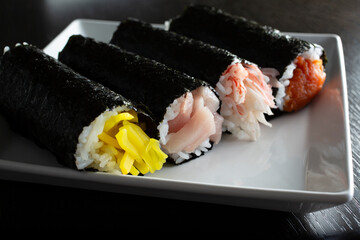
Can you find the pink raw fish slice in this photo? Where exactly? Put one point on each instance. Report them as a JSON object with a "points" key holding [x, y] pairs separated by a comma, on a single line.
{"points": [[215, 138], [210, 99], [184, 114], [196, 131]]}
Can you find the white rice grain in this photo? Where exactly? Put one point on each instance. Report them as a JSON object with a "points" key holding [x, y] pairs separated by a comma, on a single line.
{"points": [[88, 142]]}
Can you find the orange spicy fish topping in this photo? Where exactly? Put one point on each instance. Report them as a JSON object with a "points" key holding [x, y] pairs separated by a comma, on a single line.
{"points": [[308, 79]]}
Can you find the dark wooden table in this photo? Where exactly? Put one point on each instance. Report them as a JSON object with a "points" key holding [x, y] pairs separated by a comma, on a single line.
{"points": [[37, 206]]}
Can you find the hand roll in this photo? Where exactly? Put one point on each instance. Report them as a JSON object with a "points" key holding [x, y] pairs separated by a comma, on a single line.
{"points": [[84, 124], [184, 108]]}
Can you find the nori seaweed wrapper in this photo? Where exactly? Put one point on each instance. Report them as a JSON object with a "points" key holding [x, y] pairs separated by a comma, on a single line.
{"points": [[193, 57], [263, 45], [48, 102], [148, 83]]}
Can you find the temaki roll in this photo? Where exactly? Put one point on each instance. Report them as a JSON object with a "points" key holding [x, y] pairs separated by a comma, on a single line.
{"points": [[244, 91], [84, 124], [184, 108], [299, 64]]}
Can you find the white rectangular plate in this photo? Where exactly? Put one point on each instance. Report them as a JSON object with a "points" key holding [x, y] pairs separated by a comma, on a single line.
{"points": [[303, 163]]}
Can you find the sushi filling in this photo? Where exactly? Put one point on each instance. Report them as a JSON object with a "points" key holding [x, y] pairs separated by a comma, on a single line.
{"points": [[300, 82], [246, 96], [116, 142], [190, 124]]}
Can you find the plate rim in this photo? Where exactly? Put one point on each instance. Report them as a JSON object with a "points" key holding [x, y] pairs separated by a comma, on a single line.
{"points": [[306, 196]]}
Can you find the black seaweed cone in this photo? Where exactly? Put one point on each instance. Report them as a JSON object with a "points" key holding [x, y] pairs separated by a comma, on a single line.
{"points": [[48, 102], [148, 83], [144, 81], [263, 45], [193, 57]]}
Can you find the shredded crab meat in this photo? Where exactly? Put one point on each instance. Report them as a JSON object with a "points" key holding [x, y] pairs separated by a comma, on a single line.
{"points": [[246, 96]]}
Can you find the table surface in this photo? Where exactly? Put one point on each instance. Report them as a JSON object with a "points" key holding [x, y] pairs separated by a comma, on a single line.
{"points": [[37, 206]]}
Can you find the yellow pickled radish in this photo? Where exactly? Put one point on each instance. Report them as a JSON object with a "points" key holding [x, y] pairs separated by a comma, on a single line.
{"points": [[131, 148], [149, 162], [155, 146], [135, 115], [126, 163], [138, 143], [114, 120], [109, 149], [155, 157], [142, 167], [119, 156], [139, 131], [136, 136], [141, 141], [134, 171], [157, 162], [123, 141], [109, 140]]}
